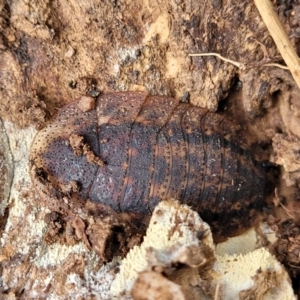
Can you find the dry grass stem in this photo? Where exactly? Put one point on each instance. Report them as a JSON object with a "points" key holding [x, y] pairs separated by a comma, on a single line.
{"points": [[276, 65], [280, 37], [235, 63], [238, 64], [217, 292]]}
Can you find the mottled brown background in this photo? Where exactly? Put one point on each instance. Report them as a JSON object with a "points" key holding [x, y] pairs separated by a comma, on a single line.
{"points": [[52, 52]]}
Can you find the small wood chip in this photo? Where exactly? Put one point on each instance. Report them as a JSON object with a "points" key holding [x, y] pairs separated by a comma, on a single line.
{"points": [[86, 103]]}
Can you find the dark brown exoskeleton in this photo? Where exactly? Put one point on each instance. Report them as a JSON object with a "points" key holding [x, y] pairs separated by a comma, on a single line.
{"points": [[153, 148]]}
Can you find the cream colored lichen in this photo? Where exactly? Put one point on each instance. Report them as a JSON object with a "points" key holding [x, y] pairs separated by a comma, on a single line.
{"points": [[19, 141], [252, 239], [257, 273], [6, 163], [51, 255], [173, 231], [172, 228], [31, 227]]}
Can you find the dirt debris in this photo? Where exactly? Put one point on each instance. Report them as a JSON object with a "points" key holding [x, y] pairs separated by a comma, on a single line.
{"points": [[46, 56], [156, 286], [81, 148]]}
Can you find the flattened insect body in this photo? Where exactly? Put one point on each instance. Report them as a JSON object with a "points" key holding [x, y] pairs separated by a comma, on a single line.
{"points": [[153, 148]]}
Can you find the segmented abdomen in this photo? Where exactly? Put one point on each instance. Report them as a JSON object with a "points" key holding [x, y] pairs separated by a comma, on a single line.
{"points": [[155, 148]]}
